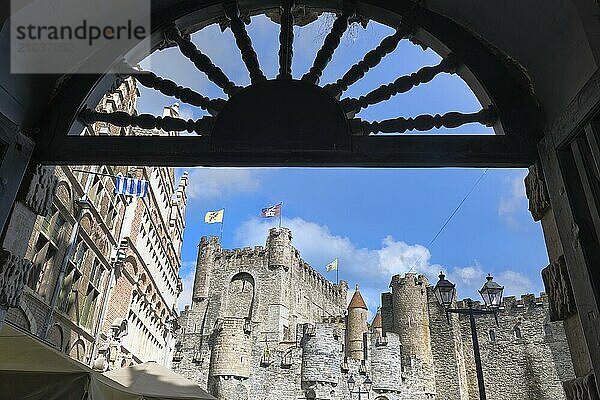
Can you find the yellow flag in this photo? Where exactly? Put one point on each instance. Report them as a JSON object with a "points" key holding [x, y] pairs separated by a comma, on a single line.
{"points": [[332, 266], [214, 217]]}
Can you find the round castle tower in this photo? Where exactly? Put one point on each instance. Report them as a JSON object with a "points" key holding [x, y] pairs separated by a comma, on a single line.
{"points": [[207, 249], [279, 248], [356, 326], [411, 320], [320, 357]]}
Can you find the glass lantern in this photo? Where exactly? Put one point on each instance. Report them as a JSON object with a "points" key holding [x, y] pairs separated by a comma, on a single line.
{"points": [[444, 291], [491, 292]]}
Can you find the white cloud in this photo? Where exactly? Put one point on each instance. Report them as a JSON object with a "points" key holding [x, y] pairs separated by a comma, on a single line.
{"points": [[373, 268], [210, 183], [187, 277], [514, 202]]}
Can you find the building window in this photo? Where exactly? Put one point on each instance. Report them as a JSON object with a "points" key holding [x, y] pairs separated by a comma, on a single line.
{"points": [[39, 260], [52, 225], [492, 335], [517, 331], [92, 293], [68, 293]]}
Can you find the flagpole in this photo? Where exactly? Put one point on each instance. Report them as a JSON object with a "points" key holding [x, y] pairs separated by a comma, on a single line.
{"points": [[222, 221], [280, 212]]}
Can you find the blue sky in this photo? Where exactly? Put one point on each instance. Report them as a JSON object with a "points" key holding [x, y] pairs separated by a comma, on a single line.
{"points": [[378, 222]]}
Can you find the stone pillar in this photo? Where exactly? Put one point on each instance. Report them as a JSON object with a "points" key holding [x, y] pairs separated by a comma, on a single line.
{"points": [[557, 276]]}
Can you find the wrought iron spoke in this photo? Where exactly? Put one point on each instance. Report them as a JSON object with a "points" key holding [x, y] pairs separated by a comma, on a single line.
{"points": [[243, 42], [170, 88], [202, 61], [400, 85], [486, 116], [370, 60], [332, 41], [201, 126], [286, 40]]}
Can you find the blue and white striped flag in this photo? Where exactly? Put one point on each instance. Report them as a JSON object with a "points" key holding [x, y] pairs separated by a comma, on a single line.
{"points": [[131, 186]]}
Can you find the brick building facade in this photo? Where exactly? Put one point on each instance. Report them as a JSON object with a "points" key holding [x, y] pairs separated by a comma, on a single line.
{"points": [[116, 301]]}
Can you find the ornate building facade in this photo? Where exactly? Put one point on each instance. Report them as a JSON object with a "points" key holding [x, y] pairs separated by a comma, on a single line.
{"points": [[104, 283], [263, 324]]}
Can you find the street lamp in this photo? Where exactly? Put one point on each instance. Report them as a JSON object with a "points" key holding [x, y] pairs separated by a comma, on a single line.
{"points": [[366, 385], [491, 292]]}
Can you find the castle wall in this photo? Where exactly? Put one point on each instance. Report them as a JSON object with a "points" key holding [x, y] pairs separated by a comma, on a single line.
{"points": [[448, 352], [533, 364], [271, 330]]}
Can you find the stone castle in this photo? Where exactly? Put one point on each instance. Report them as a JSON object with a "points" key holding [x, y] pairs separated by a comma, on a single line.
{"points": [[263, 324]]}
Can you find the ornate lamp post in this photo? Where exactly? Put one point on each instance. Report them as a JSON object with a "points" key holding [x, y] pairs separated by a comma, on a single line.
{"points": [[491, 292], [367, 385]]}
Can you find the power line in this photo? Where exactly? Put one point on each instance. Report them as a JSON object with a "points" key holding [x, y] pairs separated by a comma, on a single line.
{"points": [[451, 216]]}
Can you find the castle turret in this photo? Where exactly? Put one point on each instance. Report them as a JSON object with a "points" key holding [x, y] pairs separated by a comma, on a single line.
{"points": [[411, 320], [230, 358], [320, 362], [357, 327], [377, 325], [279, 248], [207, 249]]}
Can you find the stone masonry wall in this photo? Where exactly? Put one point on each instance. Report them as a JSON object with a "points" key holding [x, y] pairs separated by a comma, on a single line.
{"points": [[448, 352], [293, 330], [525, 350]]}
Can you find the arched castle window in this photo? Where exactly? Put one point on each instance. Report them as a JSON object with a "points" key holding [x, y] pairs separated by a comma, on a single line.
{"points": [[240, 298], [517, 331], [492, 335]]}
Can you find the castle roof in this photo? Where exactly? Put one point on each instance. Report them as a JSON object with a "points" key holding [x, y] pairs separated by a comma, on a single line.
{"points": [[377, 320], [357, 300]]}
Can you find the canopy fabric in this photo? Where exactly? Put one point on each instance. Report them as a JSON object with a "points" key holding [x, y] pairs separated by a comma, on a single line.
{"points": [[156, 382], [33, 370]]}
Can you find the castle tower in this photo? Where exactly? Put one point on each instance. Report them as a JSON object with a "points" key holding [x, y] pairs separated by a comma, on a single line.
{"points": [[279, 248], [230, 358], [377, 325], [207, 249], [320, 360], [411, 319], [356, 327]]}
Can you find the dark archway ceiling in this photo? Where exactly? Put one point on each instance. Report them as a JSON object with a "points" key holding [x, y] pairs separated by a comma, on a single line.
{"points": [[275, 110]]}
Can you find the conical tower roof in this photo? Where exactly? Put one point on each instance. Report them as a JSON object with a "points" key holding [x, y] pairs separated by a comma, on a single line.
{"points": [[357, 300], [377, 320]]}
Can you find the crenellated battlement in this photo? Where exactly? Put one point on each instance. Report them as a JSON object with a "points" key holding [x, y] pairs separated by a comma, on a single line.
{"points": [[409, 278], [512, 303]]}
